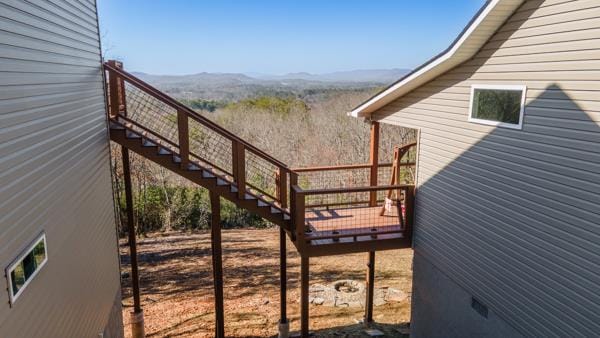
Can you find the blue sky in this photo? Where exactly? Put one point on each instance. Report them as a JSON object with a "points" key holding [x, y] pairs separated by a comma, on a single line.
{"points": [[278, 36]]}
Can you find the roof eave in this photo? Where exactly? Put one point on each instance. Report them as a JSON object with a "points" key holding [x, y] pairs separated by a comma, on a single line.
{"points": [[445, 61]]}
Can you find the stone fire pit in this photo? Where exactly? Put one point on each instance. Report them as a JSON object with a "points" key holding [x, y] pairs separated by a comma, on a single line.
{"points": [[351, 293]]}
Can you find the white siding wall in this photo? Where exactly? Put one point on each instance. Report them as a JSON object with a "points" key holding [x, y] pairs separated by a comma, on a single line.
{"points": [[54, 168], [513, 216]]}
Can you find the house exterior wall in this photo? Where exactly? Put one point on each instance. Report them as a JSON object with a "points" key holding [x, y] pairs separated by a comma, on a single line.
{"points": [[55, 171], [512, 217]]}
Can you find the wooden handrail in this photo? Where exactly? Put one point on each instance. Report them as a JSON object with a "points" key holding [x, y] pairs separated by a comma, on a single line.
{"points": [[347, 167], [150, 90], [308, 192]]}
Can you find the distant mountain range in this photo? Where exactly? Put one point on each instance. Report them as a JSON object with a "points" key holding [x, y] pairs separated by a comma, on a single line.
{"points": [[233, 86], [382, 76]]}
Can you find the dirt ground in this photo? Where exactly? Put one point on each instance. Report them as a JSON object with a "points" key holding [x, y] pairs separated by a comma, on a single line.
{"points": [[177, 290]]}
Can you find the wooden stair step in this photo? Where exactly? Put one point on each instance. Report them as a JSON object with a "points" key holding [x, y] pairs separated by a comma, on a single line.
{"points": [[193, 167], [222, 182], [116, 126], [148, 143], [163, 151], [275, 210], [207, 174], [131, 134], [249, 197]]}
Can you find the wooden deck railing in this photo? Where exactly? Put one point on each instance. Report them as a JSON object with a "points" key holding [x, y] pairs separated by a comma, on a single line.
{"points": [[347, 212]]}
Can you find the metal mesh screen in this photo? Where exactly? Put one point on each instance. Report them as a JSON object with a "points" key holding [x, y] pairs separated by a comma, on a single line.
{"points": [[151, 113], [210, 147], [339, 178], [261, 175]]}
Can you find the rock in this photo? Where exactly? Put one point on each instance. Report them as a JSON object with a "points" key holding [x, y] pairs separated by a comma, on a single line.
{"points": [[403, 332], [395, 295], [318, 301], [374, 333], [124, 274], [378, 301]]}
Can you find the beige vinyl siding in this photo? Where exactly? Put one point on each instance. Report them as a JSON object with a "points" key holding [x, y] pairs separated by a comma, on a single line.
{"points": [[55, 171], [513, 215]]}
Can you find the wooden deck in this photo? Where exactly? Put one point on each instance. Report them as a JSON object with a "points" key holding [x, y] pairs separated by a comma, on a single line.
{"points": [[349, 222]]}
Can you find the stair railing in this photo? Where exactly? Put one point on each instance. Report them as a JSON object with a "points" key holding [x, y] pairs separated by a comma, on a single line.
{"points": [[198, 138]]}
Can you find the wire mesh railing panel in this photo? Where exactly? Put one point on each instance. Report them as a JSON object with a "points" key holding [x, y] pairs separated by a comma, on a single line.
{"points": [[339, 178], [350, 214], [151, 113], [210, 148], [391, 136], [261, 176]]}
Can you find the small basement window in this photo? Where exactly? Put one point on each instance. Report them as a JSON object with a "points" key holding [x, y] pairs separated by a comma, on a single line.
{"points": [[26, 266], [498, 105]]}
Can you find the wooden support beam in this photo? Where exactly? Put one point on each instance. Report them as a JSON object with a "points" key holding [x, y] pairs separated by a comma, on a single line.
{"points": [[283, 321], [370, 287], [137, 322], [304, 279], [374, 161], [215, 237]]}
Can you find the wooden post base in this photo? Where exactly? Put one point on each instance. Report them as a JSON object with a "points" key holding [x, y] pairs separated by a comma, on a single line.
{"points": [[137, 325]]}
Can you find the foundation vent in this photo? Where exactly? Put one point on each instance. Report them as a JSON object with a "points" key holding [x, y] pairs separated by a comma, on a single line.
{"points": [[479, 307]]}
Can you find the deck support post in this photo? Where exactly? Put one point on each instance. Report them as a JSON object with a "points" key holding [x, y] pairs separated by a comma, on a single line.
{"points": [[215, 237], [374, 161], [370, 288], [137, 316], [284, 325], [304, 276]]}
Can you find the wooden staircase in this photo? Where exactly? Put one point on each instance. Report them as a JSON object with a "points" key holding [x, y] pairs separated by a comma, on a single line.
{"points": [[150, 142], [149, 148]]}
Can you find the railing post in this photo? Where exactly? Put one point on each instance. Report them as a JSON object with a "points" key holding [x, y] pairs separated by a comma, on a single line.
{"points": [[184, 138], [238, 152], [298, 215], [374, 161], [409, 205], [113, 96], [282, 187], [116, 87]]}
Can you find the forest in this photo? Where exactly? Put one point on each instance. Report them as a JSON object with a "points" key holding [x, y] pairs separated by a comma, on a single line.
{"points": [[307, 129]]}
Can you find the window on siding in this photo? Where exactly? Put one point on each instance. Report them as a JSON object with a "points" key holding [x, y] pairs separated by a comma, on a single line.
{"points": [[26, 266], [497, 105]]}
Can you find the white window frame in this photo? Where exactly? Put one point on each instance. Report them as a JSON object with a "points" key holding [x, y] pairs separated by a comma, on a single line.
{"points": [[523, 90], [13, 265]]}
